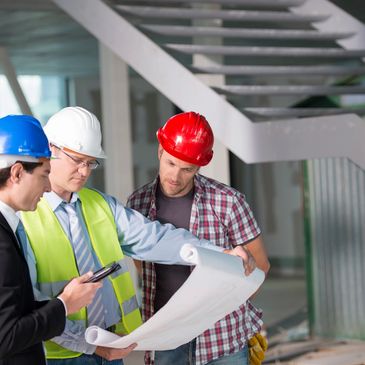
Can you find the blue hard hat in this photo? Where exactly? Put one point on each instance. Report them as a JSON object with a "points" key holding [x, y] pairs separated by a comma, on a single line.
{"points": [[23, 135]]}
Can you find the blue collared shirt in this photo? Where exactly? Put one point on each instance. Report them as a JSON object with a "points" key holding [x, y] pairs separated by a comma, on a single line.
{"points": [[139, 238]]}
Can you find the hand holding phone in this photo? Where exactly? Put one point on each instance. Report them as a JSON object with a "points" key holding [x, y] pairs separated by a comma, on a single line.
{"points": [[103, 272]]}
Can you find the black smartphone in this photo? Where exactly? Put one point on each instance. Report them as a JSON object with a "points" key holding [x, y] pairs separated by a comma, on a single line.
{"points": [[103, 272]]}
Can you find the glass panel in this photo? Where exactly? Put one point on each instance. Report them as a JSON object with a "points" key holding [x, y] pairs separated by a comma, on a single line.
{"points": [[45, 95]]}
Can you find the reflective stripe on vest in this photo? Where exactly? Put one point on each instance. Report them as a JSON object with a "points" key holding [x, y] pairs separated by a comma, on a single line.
{"points": [[56, 263]]}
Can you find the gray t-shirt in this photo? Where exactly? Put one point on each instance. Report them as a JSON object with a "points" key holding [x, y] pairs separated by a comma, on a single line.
{"points": [[176, 211]]}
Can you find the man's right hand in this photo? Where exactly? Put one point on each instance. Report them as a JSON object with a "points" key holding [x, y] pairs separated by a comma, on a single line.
{"points": [[246, 256], [114, 354], [78, 294]]}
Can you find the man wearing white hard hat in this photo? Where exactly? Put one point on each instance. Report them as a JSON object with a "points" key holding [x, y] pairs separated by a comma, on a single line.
{"points": [[25, 322], [90, 229]]}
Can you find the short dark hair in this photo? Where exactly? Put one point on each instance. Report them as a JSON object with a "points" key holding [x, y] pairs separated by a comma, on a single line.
{"points": [[28, 167]]}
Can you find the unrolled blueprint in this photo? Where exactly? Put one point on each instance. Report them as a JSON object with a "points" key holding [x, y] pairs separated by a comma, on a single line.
{"points": [[217, 286]]}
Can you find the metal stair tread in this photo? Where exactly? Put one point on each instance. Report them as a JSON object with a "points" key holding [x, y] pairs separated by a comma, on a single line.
{"points": [[290, 89], [194, 13], [265, 51], [280, 70], [249, 33], [256, 3], [300, 112]]}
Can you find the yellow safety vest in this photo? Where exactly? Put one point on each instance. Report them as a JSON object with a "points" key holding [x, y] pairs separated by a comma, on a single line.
{"points": [[56, 263]]}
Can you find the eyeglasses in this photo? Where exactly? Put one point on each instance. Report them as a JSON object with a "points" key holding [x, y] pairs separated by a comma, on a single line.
{"points": [[92, 165]]}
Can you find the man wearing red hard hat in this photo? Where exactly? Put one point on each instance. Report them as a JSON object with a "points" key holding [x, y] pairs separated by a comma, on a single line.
{"points": [[210, 210], [89, 230]]}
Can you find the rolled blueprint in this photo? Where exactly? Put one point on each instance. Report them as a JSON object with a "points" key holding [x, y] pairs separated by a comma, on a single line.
{"points": [[216, 287]]}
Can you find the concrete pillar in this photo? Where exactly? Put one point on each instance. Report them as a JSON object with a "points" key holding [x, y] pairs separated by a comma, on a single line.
{"points": [[117, 134], [85, 92], [218, 168], [116, 124]]}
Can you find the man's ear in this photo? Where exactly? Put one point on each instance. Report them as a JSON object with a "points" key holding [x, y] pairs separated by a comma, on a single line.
{"points": [[16, 171], [160, 150]]}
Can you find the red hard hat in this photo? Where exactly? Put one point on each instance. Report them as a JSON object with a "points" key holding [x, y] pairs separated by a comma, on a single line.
{"points": [[188, 137]]}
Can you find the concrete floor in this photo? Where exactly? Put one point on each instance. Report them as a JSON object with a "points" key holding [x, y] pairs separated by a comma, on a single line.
{"points": [[278, 297]]}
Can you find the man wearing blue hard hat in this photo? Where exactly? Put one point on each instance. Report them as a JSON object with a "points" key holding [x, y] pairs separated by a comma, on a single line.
{"points": [[24, 322]]}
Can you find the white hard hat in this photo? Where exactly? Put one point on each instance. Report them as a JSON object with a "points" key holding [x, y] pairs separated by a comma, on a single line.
{"points": [[77, 129]]}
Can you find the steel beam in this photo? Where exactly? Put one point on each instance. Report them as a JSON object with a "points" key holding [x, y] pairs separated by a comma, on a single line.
{"points": [[10, 74]]}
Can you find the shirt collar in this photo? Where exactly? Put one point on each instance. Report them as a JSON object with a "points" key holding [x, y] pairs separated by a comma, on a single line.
{"points": [[154, 186], [198, 184], [55, 200], [10, 215]]}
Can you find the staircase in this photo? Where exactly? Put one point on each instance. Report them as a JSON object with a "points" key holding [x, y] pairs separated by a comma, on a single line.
{"points": [[269, 57]]}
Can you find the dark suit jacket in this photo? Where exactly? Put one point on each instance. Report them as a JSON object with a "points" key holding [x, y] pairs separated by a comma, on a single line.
{"points": [[24, 322]]}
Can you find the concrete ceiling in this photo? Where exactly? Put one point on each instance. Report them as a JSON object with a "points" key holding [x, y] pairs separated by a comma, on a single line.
{"points": [[41, 39]]}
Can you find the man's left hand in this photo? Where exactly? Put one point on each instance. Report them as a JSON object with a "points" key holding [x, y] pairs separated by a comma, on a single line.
{"points": [[111, 354], [248, 259]]}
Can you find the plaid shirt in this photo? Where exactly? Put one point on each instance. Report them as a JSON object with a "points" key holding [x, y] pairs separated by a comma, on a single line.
{"points": [[221, 215]]}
